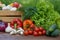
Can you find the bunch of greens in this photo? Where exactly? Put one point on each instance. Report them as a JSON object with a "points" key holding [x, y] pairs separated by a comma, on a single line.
{"points": [[56, 4], [45, 15], [28, 12]]}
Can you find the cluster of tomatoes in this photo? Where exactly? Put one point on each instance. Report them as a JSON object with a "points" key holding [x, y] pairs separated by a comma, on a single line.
{"points": [[35, 31]]}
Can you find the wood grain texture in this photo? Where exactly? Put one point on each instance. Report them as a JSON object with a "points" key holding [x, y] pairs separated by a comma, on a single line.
{"points": [[8, 16], [8, 19], [7, 36], [7, 12]]}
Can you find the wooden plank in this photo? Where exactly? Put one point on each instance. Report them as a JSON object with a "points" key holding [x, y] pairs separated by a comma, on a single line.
{"points": [[10, 15], [8, 19], [7, 36], [7, 12]]}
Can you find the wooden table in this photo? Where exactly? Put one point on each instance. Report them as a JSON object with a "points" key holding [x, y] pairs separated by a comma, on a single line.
{"points": [[7, 36]]}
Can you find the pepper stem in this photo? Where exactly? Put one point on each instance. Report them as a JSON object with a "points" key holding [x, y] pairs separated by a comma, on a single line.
{"points": [[15, 26]]}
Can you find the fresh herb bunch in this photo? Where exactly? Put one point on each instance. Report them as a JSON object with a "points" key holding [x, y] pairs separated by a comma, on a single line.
{"points": [[45, 15]]}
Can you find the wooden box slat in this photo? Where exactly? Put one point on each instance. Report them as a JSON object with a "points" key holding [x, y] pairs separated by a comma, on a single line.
{"points": [[8, 19], [8, 16], [12, 13]]}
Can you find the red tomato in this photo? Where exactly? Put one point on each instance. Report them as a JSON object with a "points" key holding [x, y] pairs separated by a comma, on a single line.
{"points": [[44, 32], [26, 33], [36, 29], [35, 33], [32, 26], [30, 32], [15, 4], [40, 28], [40, 33]]}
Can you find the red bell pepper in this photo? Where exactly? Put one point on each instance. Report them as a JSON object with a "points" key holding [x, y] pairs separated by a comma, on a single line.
{"points": [[16, 21]]}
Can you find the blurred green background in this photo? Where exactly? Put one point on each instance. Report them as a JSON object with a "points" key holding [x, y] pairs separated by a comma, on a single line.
{"points": [[56, 3]]}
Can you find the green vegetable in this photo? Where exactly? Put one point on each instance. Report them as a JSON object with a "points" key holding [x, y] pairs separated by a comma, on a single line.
{"points": [[56, 4], [28, 12], [55, 33], [48, 33], [58, 23], [45, 15], [52, 28]]}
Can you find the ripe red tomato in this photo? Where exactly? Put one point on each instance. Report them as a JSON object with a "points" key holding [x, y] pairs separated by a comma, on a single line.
{"points": [[40, 33], [25, 29], [30, 32], [36, 29], [26, 33], [44, 32], [32, 26], [35, 33], [15, 4], [40, 28]]}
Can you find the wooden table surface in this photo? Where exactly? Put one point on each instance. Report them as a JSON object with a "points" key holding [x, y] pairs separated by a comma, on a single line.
{"points": [[7, 36]]}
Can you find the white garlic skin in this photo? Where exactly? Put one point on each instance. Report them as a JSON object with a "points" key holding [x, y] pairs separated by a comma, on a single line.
{"points": [[4, 8], [13, 9], [21, 33], [13, 32], [8, 29]]}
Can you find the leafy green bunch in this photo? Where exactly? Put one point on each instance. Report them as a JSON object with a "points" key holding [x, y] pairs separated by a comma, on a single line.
{"points": [[45, 15]]}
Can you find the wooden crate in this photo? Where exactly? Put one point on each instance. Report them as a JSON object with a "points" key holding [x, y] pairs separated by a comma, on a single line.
{"points": [[8, 16]]}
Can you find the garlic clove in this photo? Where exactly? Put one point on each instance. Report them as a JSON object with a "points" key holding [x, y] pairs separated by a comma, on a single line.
{"points": [[21, 33], [18, 31], [13, 32], [21, 29]]}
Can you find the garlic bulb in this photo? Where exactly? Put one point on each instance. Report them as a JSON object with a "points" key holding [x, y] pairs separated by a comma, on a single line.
{"points": [[13, 9], [8, 29], [9, 7], [4, 8]]}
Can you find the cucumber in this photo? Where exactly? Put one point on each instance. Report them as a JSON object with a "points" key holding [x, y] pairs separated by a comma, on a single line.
{"points": [[55, 33], [52, 28], [48, 33]]}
